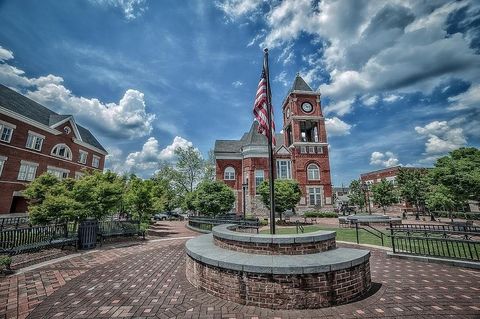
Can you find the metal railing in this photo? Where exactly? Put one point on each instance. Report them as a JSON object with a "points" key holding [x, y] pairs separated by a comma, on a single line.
{"points": [[13, 222], [207, 223], [458, 242]]}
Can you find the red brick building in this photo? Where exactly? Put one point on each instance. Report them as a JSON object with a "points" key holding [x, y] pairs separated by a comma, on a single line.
{"points": [[301, 153], [34, 140]]}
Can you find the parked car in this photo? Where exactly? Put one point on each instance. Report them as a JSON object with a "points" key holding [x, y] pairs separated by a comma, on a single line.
{"points": [[168, 216]]}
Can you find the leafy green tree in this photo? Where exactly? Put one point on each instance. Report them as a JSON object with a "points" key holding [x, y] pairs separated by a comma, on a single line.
{"points": [[99, 193], [384, 194], [36, 191], [287, 195], [188, 202], [165, 196], [57, 207], [459, 172], [209, 174], [356, 196], [139, 198], [213, 198], [413, 186], [190, 166], [440, 198]]}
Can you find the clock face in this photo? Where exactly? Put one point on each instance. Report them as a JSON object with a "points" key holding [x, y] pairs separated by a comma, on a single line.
{"points": [[307, 107]]}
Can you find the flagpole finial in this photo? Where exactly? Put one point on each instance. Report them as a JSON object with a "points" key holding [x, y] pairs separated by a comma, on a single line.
{"points": [[265, 50]]}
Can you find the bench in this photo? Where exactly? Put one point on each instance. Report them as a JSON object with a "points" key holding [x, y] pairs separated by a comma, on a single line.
{"points": [[114, 228], [30, 239]]}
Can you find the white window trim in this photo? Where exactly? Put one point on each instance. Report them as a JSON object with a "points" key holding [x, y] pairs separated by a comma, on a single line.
{"points": [[52, 169], [79, 156], [35, 135], [93, 161], [320, 194], [66, 146], [10, 125], [263, 177], [289, 169], [29, 164], [79, 175], [308, 172], [225, 174], [3, 160]]}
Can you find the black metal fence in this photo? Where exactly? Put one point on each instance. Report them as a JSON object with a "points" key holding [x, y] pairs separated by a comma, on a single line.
{"points": [[207, 223], [459, 242], [13, 222]]}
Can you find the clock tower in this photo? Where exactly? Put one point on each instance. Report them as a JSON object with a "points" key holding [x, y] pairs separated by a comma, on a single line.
{"points": [[306, 138]]}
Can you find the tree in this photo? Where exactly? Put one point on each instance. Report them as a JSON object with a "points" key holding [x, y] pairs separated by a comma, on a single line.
{"points": [[413, 186], [209, 174], [213, 198], [165, 196], [37, 190], [384, 194], [99, 193], [439, 198], [190, 165], [287, 195], [139, 198], [356, 195], [459, 172]]}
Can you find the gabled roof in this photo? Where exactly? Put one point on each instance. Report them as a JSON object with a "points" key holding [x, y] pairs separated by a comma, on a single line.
{"points": [[299, 84], [250, 138], [20, 104]]}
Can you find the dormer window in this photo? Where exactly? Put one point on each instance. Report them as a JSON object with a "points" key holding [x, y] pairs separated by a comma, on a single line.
{"points": [[229, 174], [63, 151]]}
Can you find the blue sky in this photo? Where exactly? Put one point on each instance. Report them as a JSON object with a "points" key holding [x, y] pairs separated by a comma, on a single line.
{"points": [[399, 81]]}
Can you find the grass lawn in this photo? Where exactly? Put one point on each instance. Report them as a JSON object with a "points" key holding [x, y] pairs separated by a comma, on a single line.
{"points": [[343, 234]]}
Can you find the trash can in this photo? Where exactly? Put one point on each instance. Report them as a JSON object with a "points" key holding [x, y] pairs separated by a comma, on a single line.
{"points": [[87, 234]]}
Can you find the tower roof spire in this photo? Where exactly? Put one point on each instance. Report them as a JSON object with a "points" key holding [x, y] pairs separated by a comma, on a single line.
{"points": [[299, 84]]}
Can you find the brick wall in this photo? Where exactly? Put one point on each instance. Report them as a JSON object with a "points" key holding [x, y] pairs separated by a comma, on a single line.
{"points": [[16, 151], [276, 249], [281, 291]]}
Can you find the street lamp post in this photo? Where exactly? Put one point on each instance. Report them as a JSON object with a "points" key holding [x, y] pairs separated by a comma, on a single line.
{"points": [[244, 187]]}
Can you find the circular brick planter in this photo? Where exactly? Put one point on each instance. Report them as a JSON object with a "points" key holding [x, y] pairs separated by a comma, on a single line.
{"points": [[278, 272]]}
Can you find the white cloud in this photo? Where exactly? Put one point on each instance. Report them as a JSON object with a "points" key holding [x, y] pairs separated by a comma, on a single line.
{"points": [[237, 84], [132, 9], [441, 138], [287, 55], [5, 54], [467, 100], [236, 8], [368, 100], [337, 127], [386, 159], [371, 47], [392, 98], [281, 78], [340, 108], [148, 158], [127, 118]]}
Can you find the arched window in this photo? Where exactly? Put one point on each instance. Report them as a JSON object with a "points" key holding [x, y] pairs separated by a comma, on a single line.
{"points": [[63, 151], [229, 173], [313, 172]]}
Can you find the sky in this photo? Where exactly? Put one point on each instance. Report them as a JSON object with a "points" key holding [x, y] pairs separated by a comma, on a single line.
{"points": [[399, 80]]}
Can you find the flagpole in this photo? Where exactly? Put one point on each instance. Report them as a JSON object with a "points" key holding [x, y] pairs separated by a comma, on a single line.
{"points": [[270, 147]]}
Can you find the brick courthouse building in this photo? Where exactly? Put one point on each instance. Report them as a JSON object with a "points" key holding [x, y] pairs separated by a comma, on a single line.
{"points": [[301, 154], [34, 140]]}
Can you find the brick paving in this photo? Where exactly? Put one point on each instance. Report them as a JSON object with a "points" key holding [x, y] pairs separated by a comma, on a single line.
{"points": [[148, 280]]}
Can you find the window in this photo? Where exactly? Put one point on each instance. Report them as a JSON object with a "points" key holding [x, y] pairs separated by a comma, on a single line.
{"points": [[229, 174], [308, 131], [311, 149], [96, 161], [289, 135], [314, 196], [6, 131], [60, 173], [62, 150], [303, 150], [319, 150], [78, 175], [34, 141], [82, 157], [3, 159], [27, 171], [259, 178], [284, 169], [313, 172]]}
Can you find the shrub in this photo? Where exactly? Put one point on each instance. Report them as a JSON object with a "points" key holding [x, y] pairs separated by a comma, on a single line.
{"points": [[314, 214]]}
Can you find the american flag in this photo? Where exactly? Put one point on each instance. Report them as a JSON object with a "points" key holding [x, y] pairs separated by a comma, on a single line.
{"points": [[260, 109]]}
